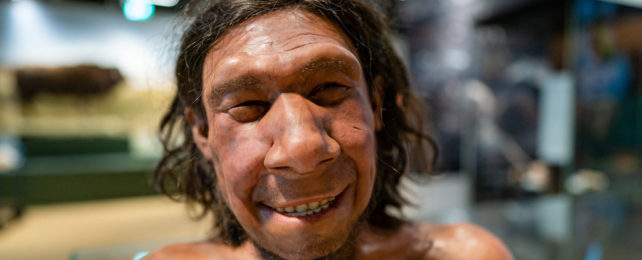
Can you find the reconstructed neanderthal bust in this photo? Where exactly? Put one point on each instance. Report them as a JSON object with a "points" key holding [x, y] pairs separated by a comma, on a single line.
{"points": [[292, 124]]}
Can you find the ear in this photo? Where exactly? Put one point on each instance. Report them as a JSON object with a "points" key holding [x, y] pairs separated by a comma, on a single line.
{"points": [[199, 133], [377, 102]]}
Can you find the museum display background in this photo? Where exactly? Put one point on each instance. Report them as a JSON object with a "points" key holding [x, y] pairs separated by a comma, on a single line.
{"points": [[535, 104]]}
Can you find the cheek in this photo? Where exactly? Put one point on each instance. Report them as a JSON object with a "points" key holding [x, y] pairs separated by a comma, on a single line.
{"points": [[239, 152], [353, 127], [354, 130]]}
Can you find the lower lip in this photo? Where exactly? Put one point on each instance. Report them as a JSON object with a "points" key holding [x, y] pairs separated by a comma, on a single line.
{"points": [[313, 217]]}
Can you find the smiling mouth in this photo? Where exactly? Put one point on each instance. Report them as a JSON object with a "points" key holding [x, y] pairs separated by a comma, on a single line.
{"points": [[306, 209]]}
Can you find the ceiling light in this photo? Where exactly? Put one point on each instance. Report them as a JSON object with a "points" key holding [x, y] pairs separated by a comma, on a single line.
{"points": [[138, 10]]}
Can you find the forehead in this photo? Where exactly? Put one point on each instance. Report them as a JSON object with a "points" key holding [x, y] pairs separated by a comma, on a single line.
{"points": [[279, 34]]}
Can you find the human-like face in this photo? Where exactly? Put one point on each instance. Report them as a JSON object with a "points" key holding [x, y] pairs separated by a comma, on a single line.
{"points": [[291, 128]]}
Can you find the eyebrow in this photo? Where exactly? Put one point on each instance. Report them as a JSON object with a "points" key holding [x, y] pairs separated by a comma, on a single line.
{"points": [[252, 83], [248, 83], [327, 63]]}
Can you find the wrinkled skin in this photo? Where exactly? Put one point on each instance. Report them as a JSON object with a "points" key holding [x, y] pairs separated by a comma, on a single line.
{"points": [[291, 121]]}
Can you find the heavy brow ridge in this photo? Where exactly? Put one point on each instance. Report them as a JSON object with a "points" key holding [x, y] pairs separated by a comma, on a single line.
{"points": [[253, 83]]}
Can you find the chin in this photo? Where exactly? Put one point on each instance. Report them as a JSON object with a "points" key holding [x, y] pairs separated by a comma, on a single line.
{"points": [[330, 244]]}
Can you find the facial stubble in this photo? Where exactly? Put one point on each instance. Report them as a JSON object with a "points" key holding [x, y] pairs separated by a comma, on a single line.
{"points": [[345, 251]]}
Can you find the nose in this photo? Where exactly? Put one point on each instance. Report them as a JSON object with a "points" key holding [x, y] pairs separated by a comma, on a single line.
{"points": [[301, 143]]}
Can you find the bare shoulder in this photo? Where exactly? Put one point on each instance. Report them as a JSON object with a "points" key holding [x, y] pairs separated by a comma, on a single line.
{"points": [[192, 250], [463, 241]]}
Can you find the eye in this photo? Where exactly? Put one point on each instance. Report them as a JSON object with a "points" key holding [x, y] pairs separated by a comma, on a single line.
{"points": [[329, 94], [248, 111]]}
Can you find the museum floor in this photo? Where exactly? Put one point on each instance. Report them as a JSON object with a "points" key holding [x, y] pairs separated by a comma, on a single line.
{"points": [[110, 229]]}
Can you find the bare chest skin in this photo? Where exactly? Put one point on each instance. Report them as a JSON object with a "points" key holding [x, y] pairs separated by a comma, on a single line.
{"points": [[428, 241], [405, 243]]}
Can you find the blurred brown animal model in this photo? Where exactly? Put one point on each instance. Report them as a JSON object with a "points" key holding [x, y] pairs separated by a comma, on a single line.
{"points": [[82, 80]]}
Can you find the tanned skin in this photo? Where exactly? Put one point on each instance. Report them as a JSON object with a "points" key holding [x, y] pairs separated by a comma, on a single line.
{"points": [[290, 121]]}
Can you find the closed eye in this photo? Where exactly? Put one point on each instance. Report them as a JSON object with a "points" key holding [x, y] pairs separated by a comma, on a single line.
{"points": [[329, 94], [249, 111]]}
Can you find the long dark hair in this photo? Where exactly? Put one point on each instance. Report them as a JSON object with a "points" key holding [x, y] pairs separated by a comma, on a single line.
{"points": [[184, 173]]}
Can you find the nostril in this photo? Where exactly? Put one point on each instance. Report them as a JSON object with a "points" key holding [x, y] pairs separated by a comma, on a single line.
{"points": [[280, 168]]}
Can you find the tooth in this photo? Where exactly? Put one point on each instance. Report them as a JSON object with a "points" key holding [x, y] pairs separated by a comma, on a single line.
{"points": [[317, 210], [289, 209], [331, 199], [325, 206], [301, 208], [324, 201], [280, 209], [313, 205]]}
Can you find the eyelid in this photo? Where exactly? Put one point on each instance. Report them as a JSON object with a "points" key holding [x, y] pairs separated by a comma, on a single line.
{"points": [[248, 110], [235, 102], [251, 103], [325, 86]]}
